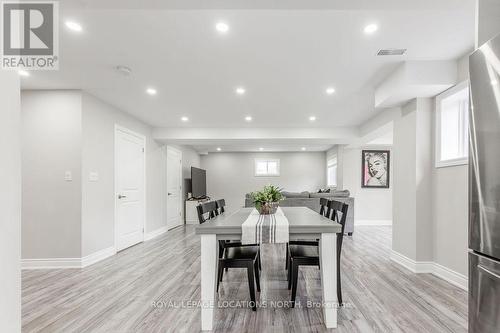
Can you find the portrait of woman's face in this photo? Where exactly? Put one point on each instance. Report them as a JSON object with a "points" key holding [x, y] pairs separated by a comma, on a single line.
{"points": [[375, 168]]}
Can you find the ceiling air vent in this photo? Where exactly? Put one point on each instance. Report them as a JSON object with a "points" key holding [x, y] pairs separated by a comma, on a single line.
{"points": [[389, 52]]}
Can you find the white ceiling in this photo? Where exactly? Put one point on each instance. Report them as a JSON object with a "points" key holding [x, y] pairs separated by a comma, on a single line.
{"points": [[269, 4], [284, 58], [384, 139]]}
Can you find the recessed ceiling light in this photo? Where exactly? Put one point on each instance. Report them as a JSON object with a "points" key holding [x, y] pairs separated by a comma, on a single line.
{"points": [[74, 26], [494, 82], [261, 149], [240, 91], [23, 73], [219, 148], [124, 70], [151, 91], [370, 28], [312, 118], [248, 118], [330, 90], [303, 148], [222, 27], [184, 119]]}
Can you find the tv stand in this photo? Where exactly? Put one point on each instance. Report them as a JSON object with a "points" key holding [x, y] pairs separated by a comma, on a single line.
{"points": [[191, 212]]}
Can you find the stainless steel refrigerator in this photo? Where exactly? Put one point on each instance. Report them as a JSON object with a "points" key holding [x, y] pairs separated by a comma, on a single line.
{"points": [[484, 189]]}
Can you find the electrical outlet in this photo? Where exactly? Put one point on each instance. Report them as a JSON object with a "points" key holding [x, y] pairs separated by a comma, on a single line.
{"points": [[68, 176], [94, 176]]}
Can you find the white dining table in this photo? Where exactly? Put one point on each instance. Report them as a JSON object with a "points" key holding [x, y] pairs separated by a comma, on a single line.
{"points": [[304, 224]]}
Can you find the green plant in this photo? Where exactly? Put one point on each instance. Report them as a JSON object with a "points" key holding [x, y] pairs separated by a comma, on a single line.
{"points": [[268, 194]]}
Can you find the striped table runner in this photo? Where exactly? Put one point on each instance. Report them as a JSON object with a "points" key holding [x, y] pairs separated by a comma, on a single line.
{"points": [[272, 228]]}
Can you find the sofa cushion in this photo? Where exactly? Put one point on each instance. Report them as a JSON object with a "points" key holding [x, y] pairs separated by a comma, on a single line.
{"points": [[320, 195], [304, 194], [341, 193], [332, 194]]}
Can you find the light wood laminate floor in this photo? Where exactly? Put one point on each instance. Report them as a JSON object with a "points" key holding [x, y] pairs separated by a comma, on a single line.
{"points": [[135, 291]]}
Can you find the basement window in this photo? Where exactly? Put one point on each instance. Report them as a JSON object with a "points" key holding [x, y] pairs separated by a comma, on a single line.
{"points": [[332, 172], [267, 167], [452, 121]]}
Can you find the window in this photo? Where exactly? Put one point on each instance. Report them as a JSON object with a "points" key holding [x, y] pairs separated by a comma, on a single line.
{"points": [[452, 112], [267, 167], [332, 172]]}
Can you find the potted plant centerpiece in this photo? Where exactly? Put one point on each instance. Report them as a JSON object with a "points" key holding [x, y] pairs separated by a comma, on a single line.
{"points": [[267, 201]]}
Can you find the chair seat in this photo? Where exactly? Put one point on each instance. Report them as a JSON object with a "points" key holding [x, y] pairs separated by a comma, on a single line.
{"points": [[244, 252], [304, 242], [228, 244], [304, 251]]}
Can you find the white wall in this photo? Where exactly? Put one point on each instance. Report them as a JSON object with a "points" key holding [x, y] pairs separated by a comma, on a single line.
{"points": [[450, 217], [424, 160], [231, 175], [74, 131], [412, 190], [373, 206], [98, 129], [450, 206], [10, 203], [404, 182], [51, 145]]}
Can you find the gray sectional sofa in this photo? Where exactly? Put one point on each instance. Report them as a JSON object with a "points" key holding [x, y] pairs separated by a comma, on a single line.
{"points": [[311, 200]]}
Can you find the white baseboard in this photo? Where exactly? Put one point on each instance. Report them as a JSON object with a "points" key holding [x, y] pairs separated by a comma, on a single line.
{"points": [[51, 263], [430, 267], [372, 222], [98, 256], [155, 233], [452, 277], [410, 264], [59, 263]]}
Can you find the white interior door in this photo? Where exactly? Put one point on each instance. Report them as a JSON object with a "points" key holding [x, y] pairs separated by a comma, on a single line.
{"points": [[174, 196], [129, 188]]}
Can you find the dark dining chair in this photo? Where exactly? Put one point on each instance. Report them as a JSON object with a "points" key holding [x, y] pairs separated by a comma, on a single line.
{"points": [[308, 255], [209, 208], [233, 254], [220, 206], [323, 210], [323, 207], [242, 257]]}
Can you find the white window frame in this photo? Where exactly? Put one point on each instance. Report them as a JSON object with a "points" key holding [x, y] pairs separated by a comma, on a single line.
{"points": [[437, 139], [267, 160], [332, 162]]}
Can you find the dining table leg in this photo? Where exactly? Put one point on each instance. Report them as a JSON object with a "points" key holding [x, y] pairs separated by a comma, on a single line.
{"points": [[328, 266], [209, 261]]}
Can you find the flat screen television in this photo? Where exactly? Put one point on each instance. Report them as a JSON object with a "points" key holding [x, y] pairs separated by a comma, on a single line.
{"points": [[198, 183]]}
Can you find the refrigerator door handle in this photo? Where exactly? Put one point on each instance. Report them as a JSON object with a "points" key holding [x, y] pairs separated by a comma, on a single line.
{"points": [[485, 270]]}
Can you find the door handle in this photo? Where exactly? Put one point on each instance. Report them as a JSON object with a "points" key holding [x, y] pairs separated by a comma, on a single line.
{"points": [[121, 196], [488, 271]]}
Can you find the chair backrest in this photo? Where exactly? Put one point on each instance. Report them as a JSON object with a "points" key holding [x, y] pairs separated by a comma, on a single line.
{"points": [[220, 206], [323, 207], [339, 212], [204, 208]]}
